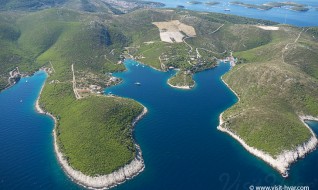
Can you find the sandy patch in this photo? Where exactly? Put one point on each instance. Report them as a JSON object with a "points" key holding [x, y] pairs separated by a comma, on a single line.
{"points": [[150, 42], [174, 31], [171, 37], [268, 27]]}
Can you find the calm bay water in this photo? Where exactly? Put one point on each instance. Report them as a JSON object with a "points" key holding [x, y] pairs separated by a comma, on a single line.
{"points": [[27, 159], [181, 146], [280, 15]]}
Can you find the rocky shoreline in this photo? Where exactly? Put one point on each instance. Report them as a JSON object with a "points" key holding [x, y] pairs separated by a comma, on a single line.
{"points": [[283, 161], [180, 87], [104, 181]]}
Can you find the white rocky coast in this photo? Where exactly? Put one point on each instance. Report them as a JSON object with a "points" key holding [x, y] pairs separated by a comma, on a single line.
{"points": [[104, 181], [181, 87], [282, 162]]}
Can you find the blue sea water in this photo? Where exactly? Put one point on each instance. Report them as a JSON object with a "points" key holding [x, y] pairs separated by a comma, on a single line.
{"points": [[27, 159], [181, 146], [280, 15]]}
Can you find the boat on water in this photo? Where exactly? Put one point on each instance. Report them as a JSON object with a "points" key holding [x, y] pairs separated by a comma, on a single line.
{"points": [[227, 9], [137, 83]]}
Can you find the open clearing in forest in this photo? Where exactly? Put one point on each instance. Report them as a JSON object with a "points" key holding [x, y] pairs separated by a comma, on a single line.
{"points": [[174, 31]]}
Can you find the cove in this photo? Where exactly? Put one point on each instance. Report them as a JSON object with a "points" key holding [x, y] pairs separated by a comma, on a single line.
{"points": [[181, 146]]}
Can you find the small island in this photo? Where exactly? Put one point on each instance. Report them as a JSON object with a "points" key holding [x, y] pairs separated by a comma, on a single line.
{"points": [[267, 6], [194, 2], [212, 3], [180, 6]]}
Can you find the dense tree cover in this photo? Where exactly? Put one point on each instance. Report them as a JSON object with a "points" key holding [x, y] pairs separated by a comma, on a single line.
{"points": [[182, 79], [95, 133], [275, 87]]}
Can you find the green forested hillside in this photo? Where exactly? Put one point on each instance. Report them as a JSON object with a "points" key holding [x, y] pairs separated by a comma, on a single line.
{"points": [[33, 39], [28, 4], [276, 84], [97, 125], [90, 128], [94, 133]]}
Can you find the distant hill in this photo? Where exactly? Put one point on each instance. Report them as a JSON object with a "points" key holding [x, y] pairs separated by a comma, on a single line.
{"points": [[111, 6], [29, 4]]}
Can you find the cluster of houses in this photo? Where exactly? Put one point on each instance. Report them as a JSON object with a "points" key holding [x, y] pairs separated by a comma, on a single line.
{"points": [[94, 88], [14, 76]]}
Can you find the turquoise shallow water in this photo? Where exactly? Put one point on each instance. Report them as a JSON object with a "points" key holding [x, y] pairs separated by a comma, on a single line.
{"points": [[181, 147]]}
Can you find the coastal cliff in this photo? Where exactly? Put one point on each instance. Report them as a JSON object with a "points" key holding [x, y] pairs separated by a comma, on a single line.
{"points": [[104, 181], [282, 161], [276, 134], [186, 87]]}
